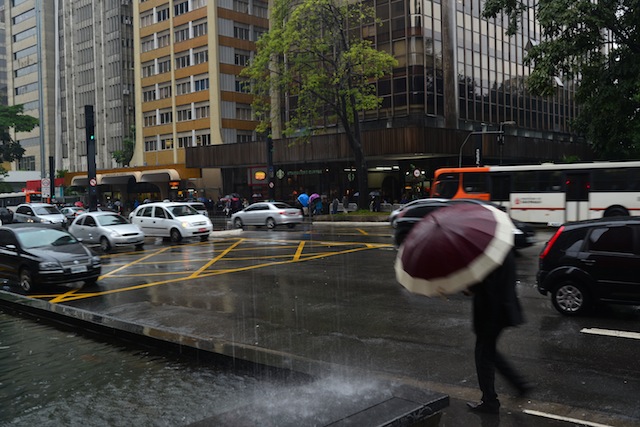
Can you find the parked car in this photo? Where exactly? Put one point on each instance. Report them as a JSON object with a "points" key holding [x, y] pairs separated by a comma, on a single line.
{"points": [[175, 220], [6, 215], [200, 207], [269, 214], [397, 212], [37, 255], [71, 212], [524, 234], [108, 229], [592, 261], [44, 213]]}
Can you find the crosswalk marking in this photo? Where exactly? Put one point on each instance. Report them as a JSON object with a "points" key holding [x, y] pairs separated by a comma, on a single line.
{"points": [[611, 333]]}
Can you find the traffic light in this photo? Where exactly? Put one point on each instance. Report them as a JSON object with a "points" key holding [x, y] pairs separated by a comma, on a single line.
{"points": [[89, 123]]}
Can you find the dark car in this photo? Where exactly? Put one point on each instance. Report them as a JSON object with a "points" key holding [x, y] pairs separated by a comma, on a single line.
{"points": [[591, 261], [6, 215], [35, 255], [524, 234]]}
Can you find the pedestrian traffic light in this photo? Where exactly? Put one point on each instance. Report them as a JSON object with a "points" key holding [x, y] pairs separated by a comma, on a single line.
{"points": [[89, 123]]}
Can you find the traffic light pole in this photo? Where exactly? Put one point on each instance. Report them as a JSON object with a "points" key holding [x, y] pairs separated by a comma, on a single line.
{"points": [[89, 125]]}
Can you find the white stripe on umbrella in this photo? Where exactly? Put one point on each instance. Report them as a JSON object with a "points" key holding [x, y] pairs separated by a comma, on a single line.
{"points": [[476, 271]]}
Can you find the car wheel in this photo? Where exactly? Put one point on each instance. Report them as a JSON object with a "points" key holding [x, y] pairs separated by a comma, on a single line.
{"points": [[204, 238], [105, 246], [570, 298], [175, 235], [26, 281], [237, 223], [271, 223], [291, 225]]}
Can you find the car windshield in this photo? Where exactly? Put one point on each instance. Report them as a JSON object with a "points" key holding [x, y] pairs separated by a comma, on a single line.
{"points": [[198, 206], [40, 237], [182, 210], [107, 220], [46, 210]]}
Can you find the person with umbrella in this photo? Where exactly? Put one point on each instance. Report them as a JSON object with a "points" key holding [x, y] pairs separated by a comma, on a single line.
{"points": [[468, 247]]}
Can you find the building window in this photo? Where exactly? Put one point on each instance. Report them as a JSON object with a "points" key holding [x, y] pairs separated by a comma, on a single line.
{"points": [[241, 31], [26, 70], [241, 6], [24, 34], [185, 141], [151, 144], [162, 15], [164, 92], [146, 19], [27, 163], [184, 114], [183, 61], [243, 86], [199, 28], [202, 111], [166, 143], [164, 39], [260, 9], [166, 117], [201, 84], [183, 87], [181, 8], [200, 57], [23, 17], [147, 44], [204, 139], [164, 65], [242, 57], [148, 69], [244, 136], [181, 34], [149, 95], [243, 112], [150, 119]]}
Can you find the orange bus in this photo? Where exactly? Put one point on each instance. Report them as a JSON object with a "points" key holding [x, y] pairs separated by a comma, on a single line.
{"points": [[548, 193]]}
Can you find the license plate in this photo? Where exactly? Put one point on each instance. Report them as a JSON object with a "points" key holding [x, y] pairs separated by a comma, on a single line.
{"points": [[202, 230], [78, 269]]}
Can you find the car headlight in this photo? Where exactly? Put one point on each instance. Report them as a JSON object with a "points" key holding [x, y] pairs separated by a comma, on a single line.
{"points": [[95, 260], [49, 265], [114, 234], [185, 224]]}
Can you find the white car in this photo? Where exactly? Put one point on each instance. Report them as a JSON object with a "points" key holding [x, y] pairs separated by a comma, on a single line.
{"points": [[44, 213], [269, 214], [175, 220], [108, 229]]}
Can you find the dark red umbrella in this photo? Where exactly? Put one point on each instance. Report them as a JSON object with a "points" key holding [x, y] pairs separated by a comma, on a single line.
{"points": [[453, 248]]}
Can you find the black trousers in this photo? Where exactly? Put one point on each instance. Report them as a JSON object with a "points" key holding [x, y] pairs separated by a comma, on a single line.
{"points": [[488, 360]]}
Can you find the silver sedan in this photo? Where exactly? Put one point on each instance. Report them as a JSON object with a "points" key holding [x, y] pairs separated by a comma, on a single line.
{"points": [[108, 229], [269, 214]]}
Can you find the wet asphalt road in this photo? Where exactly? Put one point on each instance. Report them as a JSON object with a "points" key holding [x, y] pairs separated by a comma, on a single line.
{"points": [[329, 294]]}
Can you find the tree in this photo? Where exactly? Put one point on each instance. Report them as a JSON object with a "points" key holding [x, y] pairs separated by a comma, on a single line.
{"points": [[125, 155], [314, 55], [13, 117], [596, 43]]}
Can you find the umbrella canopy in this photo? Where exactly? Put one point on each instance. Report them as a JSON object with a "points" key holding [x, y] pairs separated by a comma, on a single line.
{"points": [[453, 248], [304, 199], [313, 197]]}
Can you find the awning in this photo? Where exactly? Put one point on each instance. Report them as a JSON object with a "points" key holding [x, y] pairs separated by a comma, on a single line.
{"points": [[159, 175]]}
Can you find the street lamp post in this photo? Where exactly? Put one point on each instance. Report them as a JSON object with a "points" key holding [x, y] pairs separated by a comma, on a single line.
{"points": [[488, 132]]}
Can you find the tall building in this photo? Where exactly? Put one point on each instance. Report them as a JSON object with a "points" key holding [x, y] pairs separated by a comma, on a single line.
{"points": [[31, 70], [95, 67], [188, 57], [3, 57], [457, 73]]}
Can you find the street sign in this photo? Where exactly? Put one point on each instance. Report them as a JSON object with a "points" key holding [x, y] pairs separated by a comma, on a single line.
{"points": [[45, 187], [93, 182]]}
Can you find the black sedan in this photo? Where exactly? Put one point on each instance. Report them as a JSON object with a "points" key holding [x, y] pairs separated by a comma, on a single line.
{"points": [[35, 255], [524, 235]]}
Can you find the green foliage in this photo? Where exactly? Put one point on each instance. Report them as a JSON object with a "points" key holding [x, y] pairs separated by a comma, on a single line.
{"points": [[597, 43], [125, 155], [314, 55], [60, 173], [13, 117]]}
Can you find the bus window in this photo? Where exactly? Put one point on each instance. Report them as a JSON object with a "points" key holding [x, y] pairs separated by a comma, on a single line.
{"points": [[475, 182], [500, 187], [447, 186]]}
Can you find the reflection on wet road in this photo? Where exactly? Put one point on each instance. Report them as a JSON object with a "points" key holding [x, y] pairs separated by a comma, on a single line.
{"points": [[131, 271]]}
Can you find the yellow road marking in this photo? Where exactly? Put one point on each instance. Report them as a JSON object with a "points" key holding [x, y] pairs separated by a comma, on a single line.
{"points": [[299, 251], [362, 231], [204, 270]]}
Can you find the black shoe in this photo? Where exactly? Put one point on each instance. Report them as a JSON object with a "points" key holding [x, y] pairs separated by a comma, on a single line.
{"points": [[483, 408]]}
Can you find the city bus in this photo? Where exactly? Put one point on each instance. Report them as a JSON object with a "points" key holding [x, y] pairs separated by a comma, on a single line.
{"points": [[16, 198], [548, 193]]}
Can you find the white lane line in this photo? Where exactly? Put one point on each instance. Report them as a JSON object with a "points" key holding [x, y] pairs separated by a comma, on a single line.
{"points": [[567, 419], [611, 333]]}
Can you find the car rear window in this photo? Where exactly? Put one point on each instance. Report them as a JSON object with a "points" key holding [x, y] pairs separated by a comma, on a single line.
{"points": [[569, 241]]}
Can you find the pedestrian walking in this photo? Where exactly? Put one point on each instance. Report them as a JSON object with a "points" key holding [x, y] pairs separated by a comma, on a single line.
{"points": [[495, 307], [345, 203]]}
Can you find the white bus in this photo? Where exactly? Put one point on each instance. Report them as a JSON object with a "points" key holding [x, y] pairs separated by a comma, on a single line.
{"points": [[549, 193], [16, 198]]}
